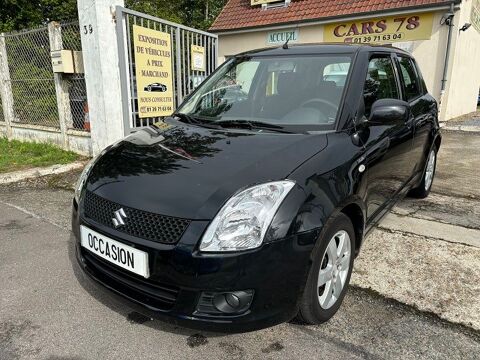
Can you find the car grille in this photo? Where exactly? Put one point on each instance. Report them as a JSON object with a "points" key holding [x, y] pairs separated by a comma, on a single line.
{"points": [[139, 223]]}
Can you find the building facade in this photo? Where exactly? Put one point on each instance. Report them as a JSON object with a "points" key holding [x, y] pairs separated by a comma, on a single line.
{"points": [[443, 36]]}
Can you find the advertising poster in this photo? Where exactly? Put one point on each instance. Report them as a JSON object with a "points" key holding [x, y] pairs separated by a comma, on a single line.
{"points": [[390, 29], [153, 71]]}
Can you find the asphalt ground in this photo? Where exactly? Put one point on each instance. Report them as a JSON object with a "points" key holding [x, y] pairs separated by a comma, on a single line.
{"points": [[50, 310]]}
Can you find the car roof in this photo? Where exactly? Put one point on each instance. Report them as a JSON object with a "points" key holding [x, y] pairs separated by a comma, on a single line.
{"points": [[319, 48]]}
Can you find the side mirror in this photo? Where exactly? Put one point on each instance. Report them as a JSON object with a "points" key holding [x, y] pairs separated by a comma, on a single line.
{"points": [[389, 112]]}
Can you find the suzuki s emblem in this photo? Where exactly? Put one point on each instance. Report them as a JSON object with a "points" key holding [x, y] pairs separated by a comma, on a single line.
{"points": [[119, 218]]}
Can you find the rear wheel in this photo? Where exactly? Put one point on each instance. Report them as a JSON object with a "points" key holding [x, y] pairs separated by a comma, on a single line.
{"points": [[425, 186], [330, 272]]}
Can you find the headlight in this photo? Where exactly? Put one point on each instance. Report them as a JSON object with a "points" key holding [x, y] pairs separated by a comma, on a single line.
{"points": [[242, 222]]}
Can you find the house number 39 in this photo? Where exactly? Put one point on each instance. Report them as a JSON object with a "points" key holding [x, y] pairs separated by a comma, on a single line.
{"points": [[88, 29]]}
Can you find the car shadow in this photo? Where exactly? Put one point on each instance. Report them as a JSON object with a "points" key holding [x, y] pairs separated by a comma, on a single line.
{"points": [[132, 312]]}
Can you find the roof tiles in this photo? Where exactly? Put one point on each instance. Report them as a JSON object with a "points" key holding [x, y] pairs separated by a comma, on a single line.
{"points": [[238, 14]]}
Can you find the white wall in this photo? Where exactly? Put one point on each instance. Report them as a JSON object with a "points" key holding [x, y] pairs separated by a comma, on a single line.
{"points": [[464, 80], [102, 74], [78, 141], [430, 56], [237, 43]]}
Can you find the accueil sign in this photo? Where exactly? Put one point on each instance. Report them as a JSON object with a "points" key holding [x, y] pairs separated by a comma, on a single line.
{"points": [[381, 30], [280, 37], [153, 71]]}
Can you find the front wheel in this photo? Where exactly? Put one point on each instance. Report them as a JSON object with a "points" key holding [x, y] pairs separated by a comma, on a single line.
{"points": [[330, 272], [425, 186]]}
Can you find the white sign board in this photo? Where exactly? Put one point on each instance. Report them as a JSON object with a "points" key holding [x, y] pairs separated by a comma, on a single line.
{"points": [[198, 57], [280, 37]]}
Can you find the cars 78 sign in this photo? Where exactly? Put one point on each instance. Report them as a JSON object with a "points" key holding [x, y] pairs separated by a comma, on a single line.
{"points": [[382, 30]]}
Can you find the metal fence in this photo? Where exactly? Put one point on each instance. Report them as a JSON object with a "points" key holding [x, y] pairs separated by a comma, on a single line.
{"points": [[31, 78], [184, 78]]}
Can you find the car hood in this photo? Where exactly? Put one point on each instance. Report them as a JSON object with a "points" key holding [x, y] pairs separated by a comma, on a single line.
{"points": [[190, 171]]}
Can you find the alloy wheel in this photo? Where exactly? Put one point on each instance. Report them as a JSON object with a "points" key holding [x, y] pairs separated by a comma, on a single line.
{"points": [[429, 172], [334, 269]]}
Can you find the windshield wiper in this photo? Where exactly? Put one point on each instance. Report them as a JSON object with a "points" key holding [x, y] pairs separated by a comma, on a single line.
{"points": [[187, 118], [241, 124], [251, 124]]}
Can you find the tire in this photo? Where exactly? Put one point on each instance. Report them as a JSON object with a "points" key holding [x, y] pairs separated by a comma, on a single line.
{"points": [[312, 309], [422, 190]]}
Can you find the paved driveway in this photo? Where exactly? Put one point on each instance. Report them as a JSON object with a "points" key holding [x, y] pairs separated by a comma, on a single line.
{"points": [[50, 310]]}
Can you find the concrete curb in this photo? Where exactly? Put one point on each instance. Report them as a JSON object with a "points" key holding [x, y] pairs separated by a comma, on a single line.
{"points": [[465, 128], [432, 229], [17, 176]]}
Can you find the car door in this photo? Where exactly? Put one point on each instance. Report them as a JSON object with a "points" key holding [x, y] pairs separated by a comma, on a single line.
{"points": [[422, 109], [387, 146]]}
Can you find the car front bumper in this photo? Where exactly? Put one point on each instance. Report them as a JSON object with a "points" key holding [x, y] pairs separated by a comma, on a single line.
{"points": [[276, 273]]}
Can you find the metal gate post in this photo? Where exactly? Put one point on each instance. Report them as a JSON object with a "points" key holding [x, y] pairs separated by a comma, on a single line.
{"points": [[121, 24], [178, 67], [6, 88], [61, 85]]}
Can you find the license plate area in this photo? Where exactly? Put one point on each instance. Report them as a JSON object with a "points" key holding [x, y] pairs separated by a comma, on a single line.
{"points": [[115, 252]]}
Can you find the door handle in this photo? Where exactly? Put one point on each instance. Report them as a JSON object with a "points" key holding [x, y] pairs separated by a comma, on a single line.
{"points": [[410, 121]]}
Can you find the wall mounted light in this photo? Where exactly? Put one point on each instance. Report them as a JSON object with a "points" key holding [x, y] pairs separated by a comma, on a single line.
{"points": [[447, 19], [465, 27]]}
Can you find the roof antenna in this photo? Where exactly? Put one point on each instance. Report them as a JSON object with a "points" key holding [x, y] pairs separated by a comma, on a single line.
{"points": [[285, 46]]}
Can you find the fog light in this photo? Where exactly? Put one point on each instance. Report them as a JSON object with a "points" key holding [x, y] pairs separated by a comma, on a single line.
{"points": [[225, 303], [232, 300]]}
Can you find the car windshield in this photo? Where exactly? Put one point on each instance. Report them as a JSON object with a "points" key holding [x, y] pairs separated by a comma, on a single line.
{"points": [[287, 92]]}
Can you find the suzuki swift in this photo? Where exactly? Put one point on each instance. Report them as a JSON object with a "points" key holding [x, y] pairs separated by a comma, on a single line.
{"points": [[248, 206]]}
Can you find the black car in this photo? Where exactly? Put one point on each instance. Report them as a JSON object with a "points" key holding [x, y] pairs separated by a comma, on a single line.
{"points": [[247, 208], [155, 87]]}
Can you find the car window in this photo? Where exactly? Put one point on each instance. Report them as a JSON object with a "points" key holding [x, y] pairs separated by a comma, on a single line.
{"points": [[245, 73], [411, 83], [275, 70], [298, 93], [380, 82], [233, 87], [336, 72]]}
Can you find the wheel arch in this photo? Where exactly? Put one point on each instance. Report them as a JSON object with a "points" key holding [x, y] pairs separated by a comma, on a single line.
{"points": [[437, 142], [355, 211], [356, 215]]}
